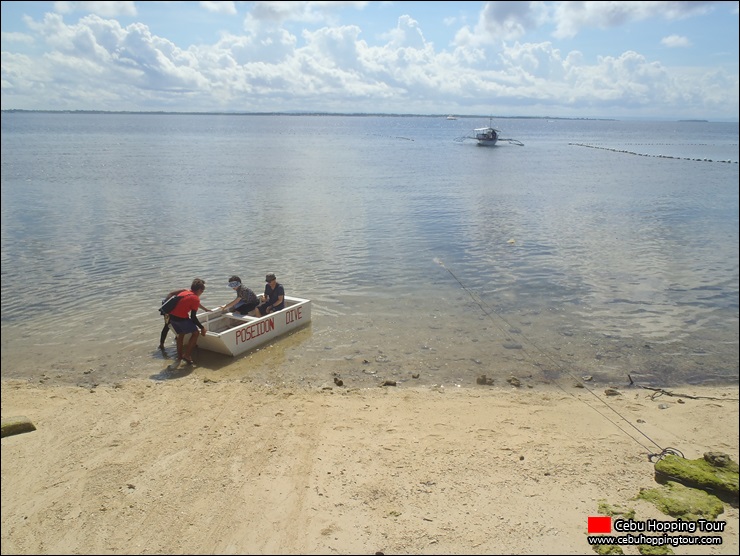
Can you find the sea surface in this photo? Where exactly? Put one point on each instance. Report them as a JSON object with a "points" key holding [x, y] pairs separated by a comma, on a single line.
{"points": [[599, 251]]}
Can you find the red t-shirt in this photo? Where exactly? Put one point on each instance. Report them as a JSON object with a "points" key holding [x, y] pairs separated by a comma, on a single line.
{"points": [[188, 302]]}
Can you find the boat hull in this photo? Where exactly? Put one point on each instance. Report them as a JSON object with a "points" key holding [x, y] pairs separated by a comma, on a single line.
{"points": [[487, 142], [486, 136], [234, 334]]}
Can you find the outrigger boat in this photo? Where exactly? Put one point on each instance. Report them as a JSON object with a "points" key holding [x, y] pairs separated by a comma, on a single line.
{"points": [[488, 136], [233, 334]]}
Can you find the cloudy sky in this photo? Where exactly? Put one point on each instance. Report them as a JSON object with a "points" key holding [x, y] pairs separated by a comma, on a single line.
{"points": [[658, 60]]}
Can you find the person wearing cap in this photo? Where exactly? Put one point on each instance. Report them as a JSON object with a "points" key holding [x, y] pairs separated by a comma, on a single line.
{"points": [[246, 300], [274, 296]]}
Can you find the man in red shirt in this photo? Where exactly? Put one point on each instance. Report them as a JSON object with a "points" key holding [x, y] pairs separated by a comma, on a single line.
{"points": [[184, 320]]}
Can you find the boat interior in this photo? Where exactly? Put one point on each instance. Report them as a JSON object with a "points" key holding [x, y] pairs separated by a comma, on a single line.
{"points": [[221, 322], [226, 321]]}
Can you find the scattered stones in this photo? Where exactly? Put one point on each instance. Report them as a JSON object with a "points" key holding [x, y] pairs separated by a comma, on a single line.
{"points": [[388, 383], [612, 392], [483, 379], [514, 381]]}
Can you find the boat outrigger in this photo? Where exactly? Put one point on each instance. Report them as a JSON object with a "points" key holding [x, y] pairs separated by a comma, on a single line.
{"points": [[233, 334]]}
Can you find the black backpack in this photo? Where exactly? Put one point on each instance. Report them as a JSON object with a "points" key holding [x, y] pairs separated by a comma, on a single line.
{"points": [[169, 304]]}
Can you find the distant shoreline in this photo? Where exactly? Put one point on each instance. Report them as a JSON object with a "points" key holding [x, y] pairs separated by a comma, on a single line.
{"points": [[353, 114]]}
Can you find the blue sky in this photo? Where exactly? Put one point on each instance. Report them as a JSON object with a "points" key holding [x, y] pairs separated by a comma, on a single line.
{"points": [[657, 60]]}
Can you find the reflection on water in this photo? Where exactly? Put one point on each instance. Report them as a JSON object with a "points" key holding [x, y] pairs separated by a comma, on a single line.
{"points": [[422, 256]]}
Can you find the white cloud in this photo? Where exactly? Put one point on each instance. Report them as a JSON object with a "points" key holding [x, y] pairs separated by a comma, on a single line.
{"points": [[221, 7], [22, 38], [675, 41], [104, 9], [280, 11], [502, 21], [570, 17], [407, 33], [97, 63]]}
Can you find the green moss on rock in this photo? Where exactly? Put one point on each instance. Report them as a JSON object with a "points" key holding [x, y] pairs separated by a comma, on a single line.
{"points": [[650, 550], [16, 425], [715, 472], [615, 510], [679, 501], [606, 549]]}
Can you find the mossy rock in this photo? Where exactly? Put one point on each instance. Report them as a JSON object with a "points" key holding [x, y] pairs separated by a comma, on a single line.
{"points": [[679, 501], [615, 510], [650, 550], [715, 473], [606, 549], [16, 425]]}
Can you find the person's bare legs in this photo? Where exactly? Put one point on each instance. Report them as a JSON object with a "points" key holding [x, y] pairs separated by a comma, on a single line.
{"points": [[191, 344], [180, 341]]}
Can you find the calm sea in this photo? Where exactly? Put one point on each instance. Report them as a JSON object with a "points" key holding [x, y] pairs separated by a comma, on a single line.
{"points": [[601, 249]]}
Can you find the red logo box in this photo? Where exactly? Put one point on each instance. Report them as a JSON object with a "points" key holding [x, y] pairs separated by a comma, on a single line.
{"points": [[599, 524]]}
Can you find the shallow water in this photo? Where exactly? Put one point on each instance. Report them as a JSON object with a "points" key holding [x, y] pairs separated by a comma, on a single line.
{"points": [[603, 249]]}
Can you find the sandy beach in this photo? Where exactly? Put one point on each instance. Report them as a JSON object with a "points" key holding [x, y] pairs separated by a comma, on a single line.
{"points": [[196, 466]]}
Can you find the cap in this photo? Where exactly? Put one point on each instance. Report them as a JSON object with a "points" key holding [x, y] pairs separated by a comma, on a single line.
{"points": [[270, 277]]}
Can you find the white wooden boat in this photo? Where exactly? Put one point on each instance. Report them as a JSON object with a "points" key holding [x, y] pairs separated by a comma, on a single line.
{"points": [[487, 136], [233, 333]]}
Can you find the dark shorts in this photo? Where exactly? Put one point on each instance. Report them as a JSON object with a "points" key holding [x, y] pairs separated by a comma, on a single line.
{"points": [[263, 308], [183, 326], [244, 308]]}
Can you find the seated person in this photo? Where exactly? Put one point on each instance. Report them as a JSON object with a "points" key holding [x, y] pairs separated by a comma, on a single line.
{"points": [[274, 296], [246, 300]]}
